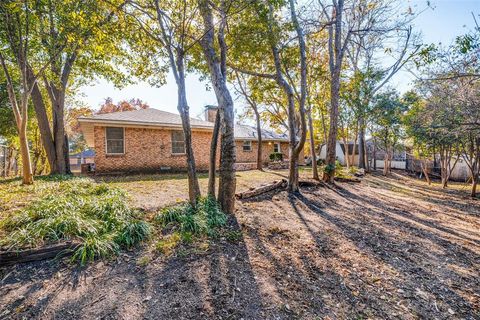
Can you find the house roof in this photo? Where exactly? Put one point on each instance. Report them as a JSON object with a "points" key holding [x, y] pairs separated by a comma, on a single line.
{"points": [[246, 132], [146, 116], [162, 119]]}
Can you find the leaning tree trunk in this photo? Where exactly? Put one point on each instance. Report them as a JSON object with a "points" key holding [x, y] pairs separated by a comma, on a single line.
{"points": [[43, 123], [183, 109]]}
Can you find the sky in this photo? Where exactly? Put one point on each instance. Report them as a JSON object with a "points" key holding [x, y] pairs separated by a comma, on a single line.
{"points": [[441, 24]]}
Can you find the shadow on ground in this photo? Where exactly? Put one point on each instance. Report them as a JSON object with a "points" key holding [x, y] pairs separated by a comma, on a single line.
{"points": [[386, 248]]}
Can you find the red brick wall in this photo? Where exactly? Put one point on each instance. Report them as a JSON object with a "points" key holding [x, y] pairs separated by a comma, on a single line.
{"points": [[151, 149], [267, 149]]}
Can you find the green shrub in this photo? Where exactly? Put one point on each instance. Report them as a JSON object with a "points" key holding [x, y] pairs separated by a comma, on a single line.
{"points": [[77, 209], [276, 156]]}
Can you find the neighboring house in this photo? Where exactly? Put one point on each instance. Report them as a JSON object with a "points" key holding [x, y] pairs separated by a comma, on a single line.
{"points": [[84, 157], [376, 155], [340, 152], [461, 171], [152, 140]]}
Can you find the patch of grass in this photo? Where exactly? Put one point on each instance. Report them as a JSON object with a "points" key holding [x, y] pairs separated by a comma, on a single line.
{"points": [[186, 223], [168, 243], [203, 219], [144, 261], [66, 208]]}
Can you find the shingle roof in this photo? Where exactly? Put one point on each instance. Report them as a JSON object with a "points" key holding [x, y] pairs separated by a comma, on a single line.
{"points": [[148, 116], [250, 133], [156, 117]]}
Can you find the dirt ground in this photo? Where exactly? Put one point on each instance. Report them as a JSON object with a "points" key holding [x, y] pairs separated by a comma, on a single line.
{"points": [[153, 191], [385, 248]]}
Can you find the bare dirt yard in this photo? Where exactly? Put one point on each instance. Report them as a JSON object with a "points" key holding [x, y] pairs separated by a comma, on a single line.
{"points": [[385, 248]]}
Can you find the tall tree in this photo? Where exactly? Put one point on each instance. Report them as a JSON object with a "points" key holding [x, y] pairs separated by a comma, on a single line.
{"points": [[252, 102], [388, 116], [336, 50], [18, 38], [265, 19], [215, 53], [72, 35]]}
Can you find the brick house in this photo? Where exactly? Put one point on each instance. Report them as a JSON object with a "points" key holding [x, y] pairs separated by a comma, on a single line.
{"points": [[152, 140]]}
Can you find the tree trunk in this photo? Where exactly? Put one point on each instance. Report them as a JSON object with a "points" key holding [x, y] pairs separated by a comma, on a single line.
{"points": [[425, 172], [293, 185], [57, 99], [9, 165], [183, 109], [216, 65], [473, 193], [66, 155], [346, 153], [385, 163], [227, 179], [312, 147], [332, 133], [25, 154], [361, 145], [43, 124], [259, 134], [213, 156], [335, 53]]}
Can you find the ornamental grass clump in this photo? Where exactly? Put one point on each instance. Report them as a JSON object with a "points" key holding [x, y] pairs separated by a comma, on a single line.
{"points": [[96, 215], [203, 219]]}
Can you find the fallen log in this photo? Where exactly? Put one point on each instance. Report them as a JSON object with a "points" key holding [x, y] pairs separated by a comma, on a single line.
{"points": [[262, 189], [341, 179], [37, 254]]}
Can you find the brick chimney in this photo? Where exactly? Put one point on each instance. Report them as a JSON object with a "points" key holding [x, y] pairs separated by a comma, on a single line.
{"points": [[210, 113]]}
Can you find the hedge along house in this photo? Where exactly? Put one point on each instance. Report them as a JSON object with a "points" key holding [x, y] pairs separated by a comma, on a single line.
{"points": [[152, 140]]}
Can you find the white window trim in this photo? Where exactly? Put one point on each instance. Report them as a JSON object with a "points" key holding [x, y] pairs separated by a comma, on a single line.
{"points": [[279, 147], [184, 144], [249, 144], [106, 143]]}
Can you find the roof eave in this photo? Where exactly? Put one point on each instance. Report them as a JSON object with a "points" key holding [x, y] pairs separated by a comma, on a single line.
{"points": [[137, 123]]}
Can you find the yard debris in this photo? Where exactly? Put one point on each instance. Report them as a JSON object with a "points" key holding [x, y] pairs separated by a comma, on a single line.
{"points": [[344, 179], [37, 254], [262, 189]]}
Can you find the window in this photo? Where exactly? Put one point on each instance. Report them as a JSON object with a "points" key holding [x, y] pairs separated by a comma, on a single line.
{"points": [[178, 142], [247, 145], [115, 140], [276, 147]]}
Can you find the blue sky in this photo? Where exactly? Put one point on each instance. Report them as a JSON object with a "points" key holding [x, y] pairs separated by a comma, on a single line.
{"points": [[443, 23]]}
